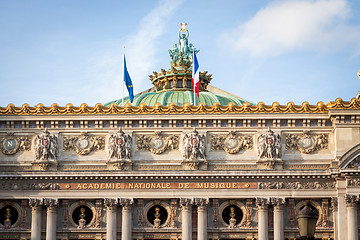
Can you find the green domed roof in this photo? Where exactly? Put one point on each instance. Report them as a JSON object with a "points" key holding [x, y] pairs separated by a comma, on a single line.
{"points": [[180, 98], [175, 85]]}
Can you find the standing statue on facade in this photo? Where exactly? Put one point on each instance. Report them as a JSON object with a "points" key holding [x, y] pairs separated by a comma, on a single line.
{"points": [[45, 146], [269, 145]]}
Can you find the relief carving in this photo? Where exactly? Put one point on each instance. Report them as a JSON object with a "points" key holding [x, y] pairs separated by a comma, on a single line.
{"points": [[83, 144], [119, 147], [46, 146], [269, 145], [119, 151], [353, 182], [28, 186], [306, 142], [157, 144], [231, 143], [173, 214], [10, 144], [296, 185], [194, 147], [98, 213]]}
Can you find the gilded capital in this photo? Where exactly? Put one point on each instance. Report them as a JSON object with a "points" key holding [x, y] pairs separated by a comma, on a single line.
{"points": [[110, 203], [351, 200], [186, 203], [126, 203], [262, 203], [278, 203]]}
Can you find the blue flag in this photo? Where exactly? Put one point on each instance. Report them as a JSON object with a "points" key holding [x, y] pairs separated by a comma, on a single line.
{"points": [[128, 82]]}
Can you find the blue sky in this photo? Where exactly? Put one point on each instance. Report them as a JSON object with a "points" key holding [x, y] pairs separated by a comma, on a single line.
{"points": [[284, 50]]}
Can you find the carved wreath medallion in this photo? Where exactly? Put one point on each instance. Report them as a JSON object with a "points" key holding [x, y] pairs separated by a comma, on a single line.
{"points": [[158, 143], [231, 143], [83, 144], [306, 142], [10, 144]]}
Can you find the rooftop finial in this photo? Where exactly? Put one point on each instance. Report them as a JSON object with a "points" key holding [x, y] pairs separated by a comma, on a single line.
{"points": [[182, 53]]}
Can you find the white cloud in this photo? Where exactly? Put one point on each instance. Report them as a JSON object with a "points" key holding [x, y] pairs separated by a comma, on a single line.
{"points": [[141, 50], [287, 25]]}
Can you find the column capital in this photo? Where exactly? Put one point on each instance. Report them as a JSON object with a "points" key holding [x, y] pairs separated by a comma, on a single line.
{"points": [[262, 203], [51, 204], [202, 203], [36, 203], [351, 200], [278, 203], [186, 203], [111, 203], [126, 203]]}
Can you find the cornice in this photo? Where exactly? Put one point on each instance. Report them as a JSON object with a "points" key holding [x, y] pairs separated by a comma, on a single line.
{"points": [[251, 175], [231, 108]]}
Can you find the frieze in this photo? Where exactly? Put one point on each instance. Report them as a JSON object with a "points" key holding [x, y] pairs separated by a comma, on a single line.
{"points": [[355, 182], [306, 142], [157, 144], [84, 143], [158, 185], [28, 186], [231, 143], [296, 185], [11, 144]]}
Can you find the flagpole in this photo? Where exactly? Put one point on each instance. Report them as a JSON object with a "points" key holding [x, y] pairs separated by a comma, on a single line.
{"points": [[123, 85], [193, 76]]}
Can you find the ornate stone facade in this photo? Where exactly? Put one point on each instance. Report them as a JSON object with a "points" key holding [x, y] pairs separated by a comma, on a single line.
{"points": [[220, 171]]}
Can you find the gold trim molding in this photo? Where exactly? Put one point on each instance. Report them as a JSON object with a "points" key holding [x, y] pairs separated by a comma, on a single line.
{"points": [[187, 108]]}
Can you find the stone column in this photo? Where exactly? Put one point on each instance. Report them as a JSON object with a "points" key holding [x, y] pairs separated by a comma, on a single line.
{"points": [[51, 218], [111, 207], [186, 218], [36, 210], [202, 205], [278, 204], [263, 221], [352, 222], [126, 233]]}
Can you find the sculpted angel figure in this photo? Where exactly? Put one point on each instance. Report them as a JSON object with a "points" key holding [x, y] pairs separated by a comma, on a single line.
{"points": [[119, 146], [269, 145], [261, 146], [202, 147], [187, 147], [45, 146], [194, 145], [128, 142]]}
